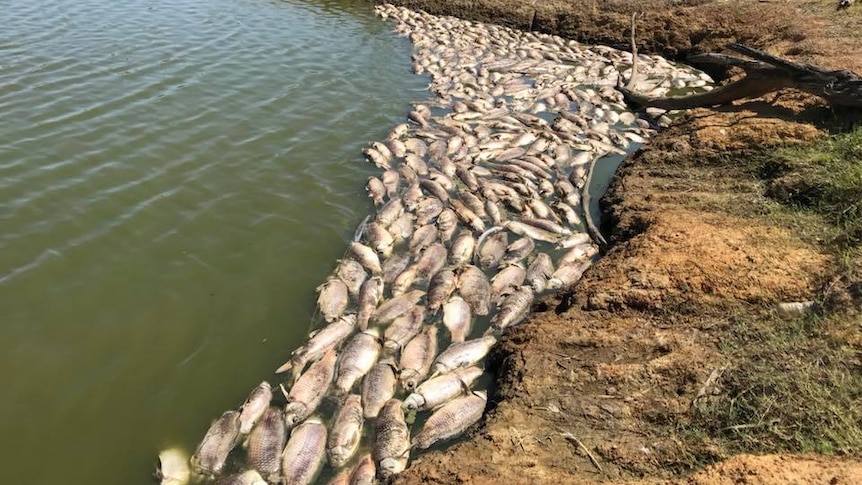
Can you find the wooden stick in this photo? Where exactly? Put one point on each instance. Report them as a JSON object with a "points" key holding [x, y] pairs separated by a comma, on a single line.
{"points": [[632, 80]]}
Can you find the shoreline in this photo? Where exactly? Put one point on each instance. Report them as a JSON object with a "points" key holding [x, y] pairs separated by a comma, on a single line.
{"points": [[606, 383]]}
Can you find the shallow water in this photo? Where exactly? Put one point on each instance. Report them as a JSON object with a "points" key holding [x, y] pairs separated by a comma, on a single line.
{"points": [[175, 179]]}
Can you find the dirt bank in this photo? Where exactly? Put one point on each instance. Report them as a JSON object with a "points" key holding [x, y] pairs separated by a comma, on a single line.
{"points": [[668, 363]]}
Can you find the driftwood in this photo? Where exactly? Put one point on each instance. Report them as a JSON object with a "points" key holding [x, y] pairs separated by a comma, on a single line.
{"points": [[764, 74]]}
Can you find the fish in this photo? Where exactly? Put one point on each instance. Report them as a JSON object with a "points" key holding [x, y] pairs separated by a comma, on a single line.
{"points": [[427, 210], [397, 306], [389, 212], [412, 196], [568, 275], [474, 287], [266, 442], [452, 419], [518, 251], [248, 477], [376, 190], [404, 281], [467, 216], [394, 266], [367, 257], [492, 250], [378, 386], [304, 454], [462, 249], [524, 229], [422, 238], [417, 356], [581, 252], [513, 309], [457, 318], [404, 328], [369, 296], [504, 282], [463, 354], [346, 431], [376, 158], [575, 239], [447, 223], [352, 274], [329, 337], [254, 407], [391, 440], [547, 225], [539, 271], [332, 299], [222, 436], [391, 179], [401, 230], [438, 390], [435, 189], [380, 239], [173, 467], [309, 389], [431, 261], [440, 288], [358, 357], [365, 472]]}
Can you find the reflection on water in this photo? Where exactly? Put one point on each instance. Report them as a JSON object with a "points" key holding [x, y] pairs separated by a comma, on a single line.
{"points": [[175, 178]]}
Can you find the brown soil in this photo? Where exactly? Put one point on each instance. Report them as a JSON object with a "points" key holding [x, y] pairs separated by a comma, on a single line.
{"points": [[599, 385]]}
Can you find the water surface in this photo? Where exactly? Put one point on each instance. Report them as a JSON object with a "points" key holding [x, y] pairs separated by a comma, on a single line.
{"points": [[175, 179]]}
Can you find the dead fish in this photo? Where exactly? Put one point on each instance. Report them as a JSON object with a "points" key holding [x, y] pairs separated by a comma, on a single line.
{"points": [[332, 299], [254, 406], [389, 212], [494, 212], [518, 250], [434, 189], [401, 229], [427, 210], [404, 281], [568, 213], [391, 440], [417, 164], [474, 287], [376, 190], [452, 419], [568, 275], [395, 307], [394, 266], [412, 196], [492, 250], [397, 148], [422, 238], [304, 454], [325, 339], [417, 356], [173, 467], [266, 442], [514, 309], [440, 288], [352, 274], [457, 318], [309, 389], [404, 328], [378, 387], [463, 249], [416, 146], [473, 203], [379, 239], [383, 149], [547, 225], [440, 389], [581, 252], [221, 437], [468, 178], [358, 357], [369, 296], [365, 472], [469, 217], [523, 229], [366, 257], [431, 261], [575, 239], [376, 158], [447, 223], [463, 354], [539, 271], [346, 431], [343, 477], [248, 477], [391, 180], [506, 281]]}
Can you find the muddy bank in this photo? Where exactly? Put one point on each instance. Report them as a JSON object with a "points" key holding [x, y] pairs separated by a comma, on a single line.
{"points": [[625, 377]]}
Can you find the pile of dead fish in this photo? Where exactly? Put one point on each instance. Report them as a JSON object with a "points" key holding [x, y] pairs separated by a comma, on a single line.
{"points": [[478, 210]]}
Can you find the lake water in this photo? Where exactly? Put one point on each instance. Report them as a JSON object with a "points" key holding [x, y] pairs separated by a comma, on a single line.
{"points": [[176, 177]]}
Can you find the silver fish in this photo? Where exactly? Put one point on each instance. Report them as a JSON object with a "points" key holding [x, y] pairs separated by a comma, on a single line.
{"points": [[303, 456], [513, 309], [401, 229], [468, 216], [389, 212], [369, 296], [547, 225], [523, 229], [435, 189], [358, 357], [173, 467], [447, 223], [412, 196], [431, 261], [581, 252], [391, 440], [332, 299], [506, 281], [329, 337], [474, 287], [391, 180], [254, 406], [422, 238], [352, 274], [346, 431], [575, 239], [440, 288], [463, 249], [376, 190], [518, 250], [377, 388], [463, 354], [395, 307], [417, 356], [365, 472], [379, 238], [457, 318], [539, 271], [366, 257], [404, 281], [404, 328], [309, 389], [440, 389], [568, 275], [492, 249], [394, 266], [248, 477], [266, 442], [427, 210], [452, 419], [221, 437]]}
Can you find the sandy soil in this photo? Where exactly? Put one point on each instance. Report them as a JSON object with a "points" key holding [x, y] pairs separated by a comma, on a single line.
{"points": [[589, 389]]}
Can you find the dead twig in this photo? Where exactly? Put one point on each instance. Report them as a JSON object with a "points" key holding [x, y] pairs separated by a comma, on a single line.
{"points": [[632, 80], [570, 437]]}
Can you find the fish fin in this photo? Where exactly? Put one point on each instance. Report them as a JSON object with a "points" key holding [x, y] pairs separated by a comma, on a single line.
{"points": [[465, 387], [285, 367], [283, 390]]}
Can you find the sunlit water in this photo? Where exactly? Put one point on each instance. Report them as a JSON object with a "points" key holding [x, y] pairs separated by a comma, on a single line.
{"points": [[175, 179]]}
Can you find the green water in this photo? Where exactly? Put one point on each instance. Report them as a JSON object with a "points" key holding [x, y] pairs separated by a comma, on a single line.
{"points": [[175, 179]]}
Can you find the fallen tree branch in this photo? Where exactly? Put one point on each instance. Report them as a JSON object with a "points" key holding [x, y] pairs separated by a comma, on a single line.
{"points": [[765, 74]]}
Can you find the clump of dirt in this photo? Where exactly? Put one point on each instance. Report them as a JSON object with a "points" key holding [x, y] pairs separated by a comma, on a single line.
{"points": [[669, 356]]}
